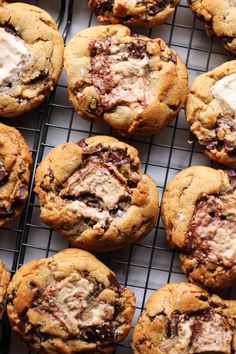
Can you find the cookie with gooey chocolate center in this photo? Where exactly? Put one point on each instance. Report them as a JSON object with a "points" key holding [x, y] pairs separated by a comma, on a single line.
{"points": [[219, 18], [4, 281], [145, 13], [94, 193], [211, 112], [15, 164], [134, 83], [31, 57], [199, 213], [69, 303], [182, 318]]}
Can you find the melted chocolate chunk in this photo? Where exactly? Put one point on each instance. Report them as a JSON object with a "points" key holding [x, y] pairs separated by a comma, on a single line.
{"points": [[132, 184], [232, 177], [100, 47], [154, 7], [103, 333], [228, 144], [168, 328], [118, 157], [174, 59], [5, 212], [138, 49], [208, 143], [47, 188], [22, 193], [219, 143], [211, 206], [90, 200], [226, 39], [9, 28], [2, 308], [113, 281], [103, 6], [4, 175], [89, 150], [42, 76]]}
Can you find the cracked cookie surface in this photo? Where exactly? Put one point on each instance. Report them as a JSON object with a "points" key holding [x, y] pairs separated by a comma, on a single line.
{"points": [[199, 213], [31, 57], [182, 318], [219, 18], [4, 281], [211, 112], [69, 303], [94, 193], [15, 163], [134, 83], [145, 13]]}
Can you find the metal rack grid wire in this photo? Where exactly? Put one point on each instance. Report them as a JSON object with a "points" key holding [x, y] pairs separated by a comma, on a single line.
{"points": [[150, 263]]}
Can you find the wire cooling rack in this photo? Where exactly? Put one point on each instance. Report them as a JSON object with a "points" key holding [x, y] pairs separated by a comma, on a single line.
{"points": [[149, 264]]}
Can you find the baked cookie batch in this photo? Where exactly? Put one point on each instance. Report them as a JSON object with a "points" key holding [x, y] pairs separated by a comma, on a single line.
{"points": [[94, 193]]}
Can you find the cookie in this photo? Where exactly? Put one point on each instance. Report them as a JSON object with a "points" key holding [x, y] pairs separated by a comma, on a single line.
{"points": [[219, 18], [134, 83], [4, 281], [94, 193], [69, 303], [31, 57], [145, 13], [15, 163], [182, 318], [199, 213], [211, 112]]}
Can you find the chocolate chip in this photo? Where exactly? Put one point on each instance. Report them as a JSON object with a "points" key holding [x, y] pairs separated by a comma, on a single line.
{"points": [[232, 177]]}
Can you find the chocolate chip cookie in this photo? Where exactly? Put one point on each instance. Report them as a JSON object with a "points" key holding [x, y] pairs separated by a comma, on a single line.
{"points": [[199, 213], [134, 83], [211, 112], [69, 303], [4, 281], [219, 18], [15, 163], [145, 13], [182, 318], [94, 193], [31, 57]]}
